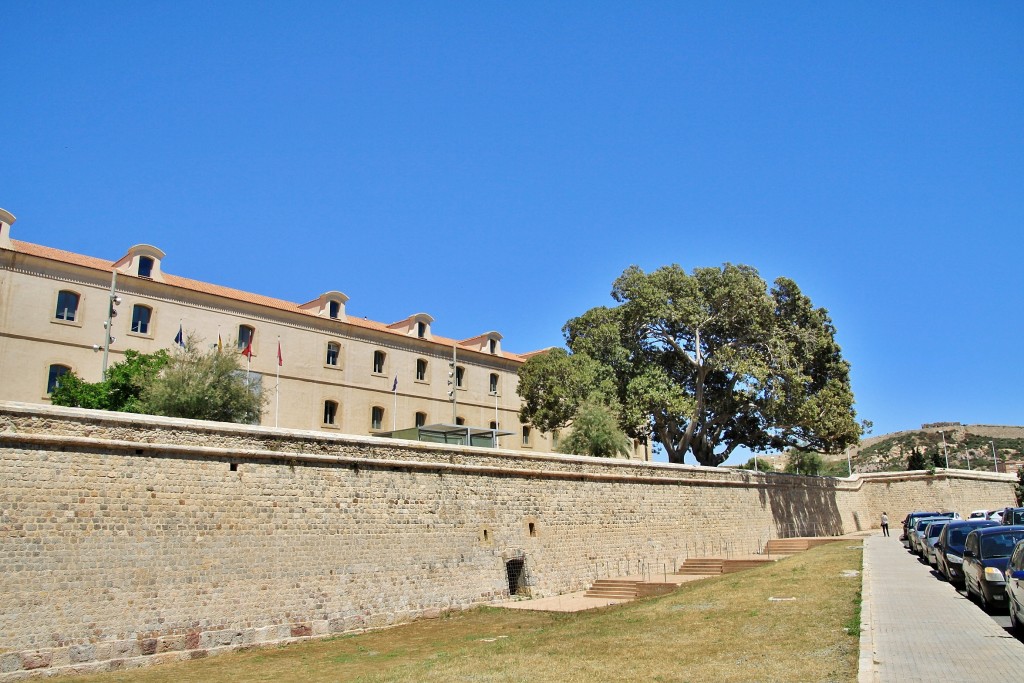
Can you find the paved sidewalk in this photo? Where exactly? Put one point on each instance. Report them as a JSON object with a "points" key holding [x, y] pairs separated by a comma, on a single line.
{"points": [[915, 627]]}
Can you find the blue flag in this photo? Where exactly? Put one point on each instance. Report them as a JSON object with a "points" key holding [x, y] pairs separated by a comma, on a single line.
{"points": [[179, 338], [394, 387]]}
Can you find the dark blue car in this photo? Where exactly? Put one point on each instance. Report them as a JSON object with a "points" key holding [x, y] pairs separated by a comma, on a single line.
{"points": [[949, 551], [986, 553]]}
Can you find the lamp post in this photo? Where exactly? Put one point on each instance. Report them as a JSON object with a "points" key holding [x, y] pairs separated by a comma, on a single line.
{"points": [[113, 301]]}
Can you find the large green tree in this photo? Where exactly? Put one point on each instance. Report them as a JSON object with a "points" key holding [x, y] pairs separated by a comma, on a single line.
{"points": [[703, 363]]}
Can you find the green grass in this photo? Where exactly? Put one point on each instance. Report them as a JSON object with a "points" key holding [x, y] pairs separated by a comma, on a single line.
{"points": [[719, 629]]}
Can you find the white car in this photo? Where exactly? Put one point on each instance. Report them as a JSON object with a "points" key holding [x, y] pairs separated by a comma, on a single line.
{"points": [[978, 514]]}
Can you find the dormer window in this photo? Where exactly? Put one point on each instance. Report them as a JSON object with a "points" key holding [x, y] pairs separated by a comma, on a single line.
{"points": [[142, 260], [327, 305], [492, 345], [421, 329]]}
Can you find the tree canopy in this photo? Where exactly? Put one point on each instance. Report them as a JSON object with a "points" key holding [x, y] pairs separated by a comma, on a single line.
{"points": [[702, 363], [596, 432], [120, 391]]}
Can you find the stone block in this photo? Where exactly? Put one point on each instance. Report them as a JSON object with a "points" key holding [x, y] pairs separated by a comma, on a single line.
{"points": [[173, 643], [10, 662], [39, 659]]}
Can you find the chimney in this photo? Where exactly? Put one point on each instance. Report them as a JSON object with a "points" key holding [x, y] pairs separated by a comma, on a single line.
{"points": [[6, 221]]}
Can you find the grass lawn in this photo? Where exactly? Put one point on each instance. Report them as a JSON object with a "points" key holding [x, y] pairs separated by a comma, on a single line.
{"points": [[719, 629]]}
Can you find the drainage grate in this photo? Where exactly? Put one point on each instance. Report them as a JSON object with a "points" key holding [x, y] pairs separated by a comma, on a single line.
{"points": [[515, 570]]}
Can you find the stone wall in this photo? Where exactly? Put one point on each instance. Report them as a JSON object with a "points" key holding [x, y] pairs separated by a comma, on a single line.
{"points": [[127, 540]]}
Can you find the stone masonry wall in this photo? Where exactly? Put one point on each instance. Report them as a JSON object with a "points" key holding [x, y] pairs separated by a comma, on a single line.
{"points": [[127, 540]]}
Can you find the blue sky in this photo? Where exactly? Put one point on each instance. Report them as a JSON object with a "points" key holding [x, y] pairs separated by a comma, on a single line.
{"points": [[498, 165]]}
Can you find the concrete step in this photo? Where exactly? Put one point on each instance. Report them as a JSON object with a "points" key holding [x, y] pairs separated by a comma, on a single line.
{"points": [[613, 589], [789, 546], [701, 566], [731, 566]]}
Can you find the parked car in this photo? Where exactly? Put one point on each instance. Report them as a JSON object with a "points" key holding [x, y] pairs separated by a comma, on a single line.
{"points": [[929, 538], [979, 514], [917, 534], [986, 554], [1012, 516], [949, 551], [910, 520], [1015, 587]]}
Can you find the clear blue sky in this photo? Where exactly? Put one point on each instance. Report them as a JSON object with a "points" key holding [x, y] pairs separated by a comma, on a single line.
{"points": [[497, 165]]}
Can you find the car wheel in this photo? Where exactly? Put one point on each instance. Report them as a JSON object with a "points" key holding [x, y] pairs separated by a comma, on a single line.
{"points": [[986, 605]]}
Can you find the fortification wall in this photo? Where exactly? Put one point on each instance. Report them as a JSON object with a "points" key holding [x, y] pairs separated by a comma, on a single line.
{"points": [[127, 540]]}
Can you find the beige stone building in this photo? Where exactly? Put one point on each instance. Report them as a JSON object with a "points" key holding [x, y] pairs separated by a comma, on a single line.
{"points": [[340, 373]]}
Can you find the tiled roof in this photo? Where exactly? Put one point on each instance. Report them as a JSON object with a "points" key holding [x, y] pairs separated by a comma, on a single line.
{"points": [[225, 292]]}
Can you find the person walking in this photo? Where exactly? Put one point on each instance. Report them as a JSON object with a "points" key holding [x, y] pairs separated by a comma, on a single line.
{"points": [[885, 524]]}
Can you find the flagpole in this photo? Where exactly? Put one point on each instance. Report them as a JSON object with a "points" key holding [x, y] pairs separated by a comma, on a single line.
{"points": [[277, 388]]}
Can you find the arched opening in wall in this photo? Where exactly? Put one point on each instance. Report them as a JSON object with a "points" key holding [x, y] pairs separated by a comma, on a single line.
{"points": [[515, 571]]}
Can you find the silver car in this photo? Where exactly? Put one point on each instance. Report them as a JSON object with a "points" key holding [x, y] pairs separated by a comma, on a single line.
{"points": [[928, 540]]}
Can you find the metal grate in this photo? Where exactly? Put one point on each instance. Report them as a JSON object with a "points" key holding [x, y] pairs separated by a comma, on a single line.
{"points": [[515, 570]]}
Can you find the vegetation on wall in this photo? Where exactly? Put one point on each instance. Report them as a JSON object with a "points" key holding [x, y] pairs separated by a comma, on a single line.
{"points": [[701, 363], [188, 382]]}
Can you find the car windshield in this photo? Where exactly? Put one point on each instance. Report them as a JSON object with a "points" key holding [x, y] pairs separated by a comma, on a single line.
{"points": [[999, 545], [957, 534]]}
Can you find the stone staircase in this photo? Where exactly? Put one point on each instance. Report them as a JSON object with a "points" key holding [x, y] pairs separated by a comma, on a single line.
{"points": [[613, 589], [791, 546], [706, 566], [701, 566]]}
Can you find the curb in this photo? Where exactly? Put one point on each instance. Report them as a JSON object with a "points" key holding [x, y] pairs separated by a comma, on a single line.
{"points": [[866, 672]]}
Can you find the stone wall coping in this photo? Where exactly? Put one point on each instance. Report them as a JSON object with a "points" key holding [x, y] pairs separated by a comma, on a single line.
{"points": [[540, 464]]}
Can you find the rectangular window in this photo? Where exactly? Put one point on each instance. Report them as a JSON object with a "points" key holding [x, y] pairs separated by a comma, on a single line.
{"points": [[145, 266], [526, 436], [245, 335], [421, 330], [53, 380], [460, 375], [333, 350], [376, 417], [493, 387], [378, 362], [421, 419], [460, 420], [421, 370], [333, 308], [330, 412], [140, 318], [67, 306]]}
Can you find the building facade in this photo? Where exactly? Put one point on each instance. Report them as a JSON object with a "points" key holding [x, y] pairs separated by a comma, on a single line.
{"points": [[319, 368]]}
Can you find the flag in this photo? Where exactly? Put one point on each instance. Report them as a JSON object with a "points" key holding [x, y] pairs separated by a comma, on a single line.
{"points": [[280, 358], [247, 351], [394, 387], [179, 338]]}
